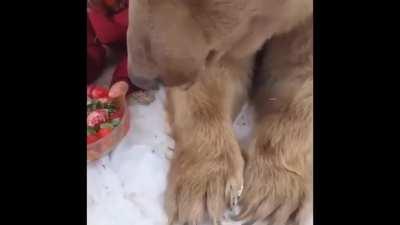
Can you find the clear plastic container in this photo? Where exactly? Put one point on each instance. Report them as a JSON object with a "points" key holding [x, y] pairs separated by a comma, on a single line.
{"points": [[108, 143]]}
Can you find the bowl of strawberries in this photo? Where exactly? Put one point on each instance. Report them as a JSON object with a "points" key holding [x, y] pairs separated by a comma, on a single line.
{"points": [[107, 122]]}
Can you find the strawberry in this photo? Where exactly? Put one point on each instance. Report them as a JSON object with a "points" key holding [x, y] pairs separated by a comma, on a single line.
{"points": [[99, 92], [104, 132], [97, 117], [91, 138], [89, 90]]}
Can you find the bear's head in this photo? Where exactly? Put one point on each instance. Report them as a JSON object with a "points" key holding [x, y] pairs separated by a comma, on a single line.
{"points": [[173, 41]]}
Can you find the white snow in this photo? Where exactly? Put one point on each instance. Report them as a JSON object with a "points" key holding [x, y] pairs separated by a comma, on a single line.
{"points": [[126, 187]]}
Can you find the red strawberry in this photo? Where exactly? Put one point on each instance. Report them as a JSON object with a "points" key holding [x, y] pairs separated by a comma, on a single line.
{"points": [[97, 117], [89, 90], [104, 132], [117, 114], [91, 138], [99, 92]]}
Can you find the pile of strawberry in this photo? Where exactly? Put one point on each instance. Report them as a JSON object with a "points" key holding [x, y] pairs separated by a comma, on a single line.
{"points": [[102, 114]]}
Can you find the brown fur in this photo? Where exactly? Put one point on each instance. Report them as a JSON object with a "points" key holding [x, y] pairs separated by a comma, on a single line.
{"points": [[211, 44], [282, 142]]}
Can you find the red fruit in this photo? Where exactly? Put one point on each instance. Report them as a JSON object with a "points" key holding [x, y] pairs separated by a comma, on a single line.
{"points": [[97, 117], [91, 138], [117, 114], [89, 90], [99, 92], [104, 132]]}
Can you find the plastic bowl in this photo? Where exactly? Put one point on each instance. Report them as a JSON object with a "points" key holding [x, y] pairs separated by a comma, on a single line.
{"points": [[108, 143]]}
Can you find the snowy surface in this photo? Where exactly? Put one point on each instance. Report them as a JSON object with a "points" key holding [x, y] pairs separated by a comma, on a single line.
{"points": [[126, 187]]}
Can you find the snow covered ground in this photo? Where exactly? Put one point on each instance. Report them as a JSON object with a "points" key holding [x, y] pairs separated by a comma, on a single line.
{"points": [[126, 187]]}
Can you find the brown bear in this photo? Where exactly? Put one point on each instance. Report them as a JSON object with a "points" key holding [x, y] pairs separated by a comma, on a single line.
{"points": [[204, 52]]}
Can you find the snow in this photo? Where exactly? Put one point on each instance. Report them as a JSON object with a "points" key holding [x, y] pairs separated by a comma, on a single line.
{"points": [[126, 187]]}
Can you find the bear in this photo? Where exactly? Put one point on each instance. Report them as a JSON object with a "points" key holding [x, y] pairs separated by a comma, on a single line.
{"points": [[213, 56]]}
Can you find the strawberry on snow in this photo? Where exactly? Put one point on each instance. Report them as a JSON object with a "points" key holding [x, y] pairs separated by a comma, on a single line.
{"points": [[103, 115], [91, 138], [89, 90], [98, 92], [104, 132], [97, 117]]}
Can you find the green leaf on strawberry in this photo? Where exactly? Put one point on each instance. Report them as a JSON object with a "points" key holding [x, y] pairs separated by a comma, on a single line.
{"points": [[106, 125], [94, 105], [110, 111], [109, 105], [98, 105], [90, 130], [115, 122]]}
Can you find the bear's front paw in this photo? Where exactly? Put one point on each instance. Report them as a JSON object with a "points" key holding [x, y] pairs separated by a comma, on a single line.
{"points": [[206, 179], [273, 191]]}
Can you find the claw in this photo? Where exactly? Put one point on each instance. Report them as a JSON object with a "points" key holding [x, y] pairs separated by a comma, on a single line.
{"points": [[240, 191], [234, 200], [169, 154], [234, 190]]}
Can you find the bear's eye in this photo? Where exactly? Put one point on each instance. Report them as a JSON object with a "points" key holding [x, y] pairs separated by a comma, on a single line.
{"points": [[211, 56]]}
